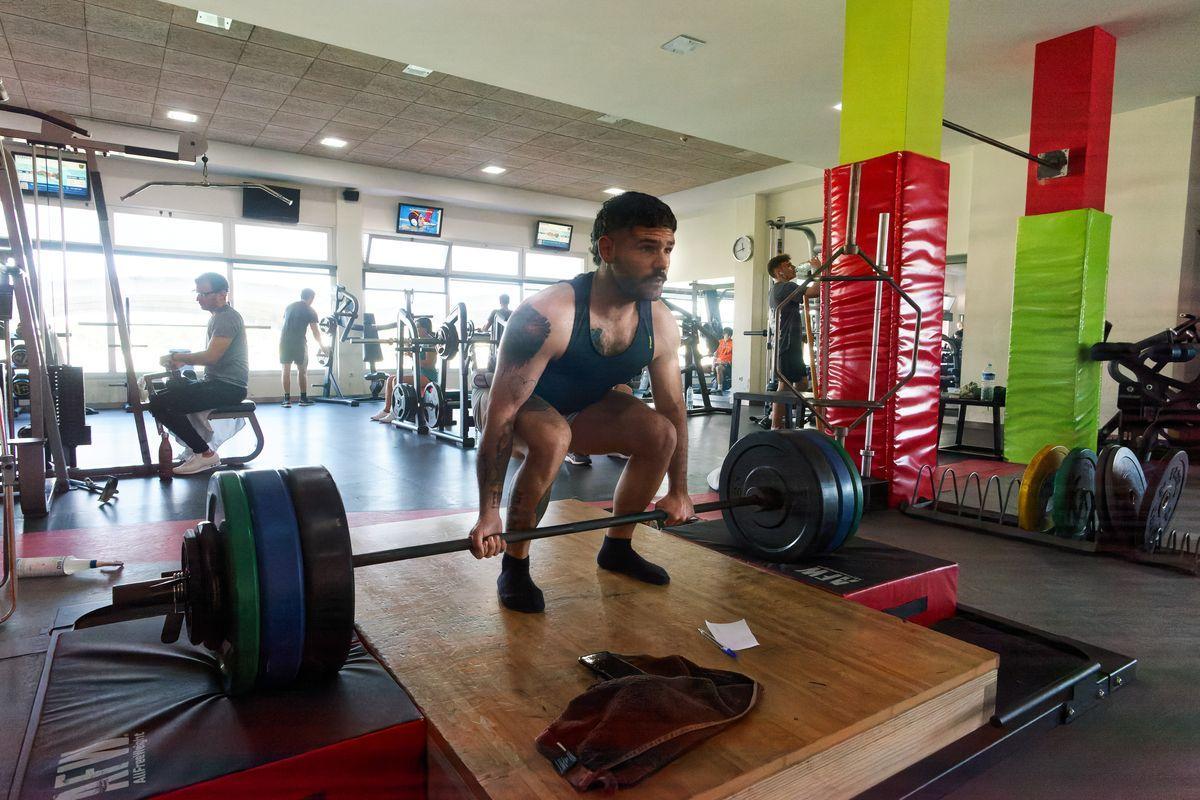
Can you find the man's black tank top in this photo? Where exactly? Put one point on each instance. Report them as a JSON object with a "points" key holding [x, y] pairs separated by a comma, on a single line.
{"points": [[581, 376]]}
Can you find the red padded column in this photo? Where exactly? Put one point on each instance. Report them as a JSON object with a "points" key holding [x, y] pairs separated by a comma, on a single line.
{"points": [[914, 189], [1072, 108]]}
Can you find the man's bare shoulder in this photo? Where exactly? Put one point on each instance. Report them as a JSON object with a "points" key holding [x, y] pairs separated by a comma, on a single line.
{"points": [[552, 302]]}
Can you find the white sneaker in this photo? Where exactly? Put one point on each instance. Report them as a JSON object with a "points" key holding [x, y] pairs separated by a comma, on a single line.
{"points": [[380, 417], [388, 418], [198, 462]]}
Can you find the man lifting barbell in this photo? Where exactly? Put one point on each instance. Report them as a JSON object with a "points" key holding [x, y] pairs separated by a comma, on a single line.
{"points": [[563, 350]]}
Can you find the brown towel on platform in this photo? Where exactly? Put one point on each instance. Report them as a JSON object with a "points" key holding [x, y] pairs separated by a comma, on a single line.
{"points": [[619, 731]]}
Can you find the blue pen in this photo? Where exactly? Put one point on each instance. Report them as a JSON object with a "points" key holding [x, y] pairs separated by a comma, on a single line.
{"points": [[711, 638]]}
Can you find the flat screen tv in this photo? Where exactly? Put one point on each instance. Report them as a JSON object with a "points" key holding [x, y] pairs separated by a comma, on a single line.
{"points": [[257, 204], [419, 220], [552, 235], [74, 178]]}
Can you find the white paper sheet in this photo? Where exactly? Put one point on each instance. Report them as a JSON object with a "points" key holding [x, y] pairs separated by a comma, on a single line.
{"points": [[734, 635]]}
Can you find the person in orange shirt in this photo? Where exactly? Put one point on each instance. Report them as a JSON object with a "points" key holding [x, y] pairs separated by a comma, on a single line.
{"points": [[723, 358]]}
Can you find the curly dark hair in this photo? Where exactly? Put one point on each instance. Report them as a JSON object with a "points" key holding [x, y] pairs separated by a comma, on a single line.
{"points": [[623, 212], [776, 262]]}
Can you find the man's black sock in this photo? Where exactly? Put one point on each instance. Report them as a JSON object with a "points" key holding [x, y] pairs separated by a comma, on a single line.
{"points": [[618, 555], [516, 589], [304, 395]]}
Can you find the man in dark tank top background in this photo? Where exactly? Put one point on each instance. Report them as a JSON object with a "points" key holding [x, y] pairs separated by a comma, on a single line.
{"points": [[563, 351]]}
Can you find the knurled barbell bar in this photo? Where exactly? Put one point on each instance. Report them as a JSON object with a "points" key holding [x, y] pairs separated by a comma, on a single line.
{"points": [[266, 581]]}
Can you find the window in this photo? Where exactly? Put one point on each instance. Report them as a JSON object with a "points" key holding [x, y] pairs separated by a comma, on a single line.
{"points": [[277, 241], [83, 225], [163, 314], [168, 233], [488, 260], [261, 293], [481, 297], [387, 252], [384, 295], [552, 265], [75, 301]]}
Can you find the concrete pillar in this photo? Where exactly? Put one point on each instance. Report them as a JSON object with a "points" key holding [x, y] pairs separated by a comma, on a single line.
{"points": [[751, 287]]}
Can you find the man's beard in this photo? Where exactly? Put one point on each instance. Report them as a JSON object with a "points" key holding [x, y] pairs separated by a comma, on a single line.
{"points": [[649, 288]]}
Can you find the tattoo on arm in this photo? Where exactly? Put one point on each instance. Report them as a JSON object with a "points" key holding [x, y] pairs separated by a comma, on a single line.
{"points": [[524, 335], [491, 466]]}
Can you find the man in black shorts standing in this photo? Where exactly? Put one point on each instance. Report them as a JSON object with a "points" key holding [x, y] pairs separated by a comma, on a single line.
{"points": [[790, 313], [297, 318], [563, 351], [226, 374], [502, 314]]}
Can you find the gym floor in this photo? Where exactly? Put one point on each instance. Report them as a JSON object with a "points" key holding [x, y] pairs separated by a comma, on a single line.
{"points": [[1145, 743]]}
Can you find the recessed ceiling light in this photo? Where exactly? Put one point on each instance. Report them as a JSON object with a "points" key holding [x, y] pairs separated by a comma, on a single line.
{"points": [[611, 119], [492, 169], [182, 116], [613, 190], [838, 107], [213, 20], [420, 72], [682, 44], [333, 141]]}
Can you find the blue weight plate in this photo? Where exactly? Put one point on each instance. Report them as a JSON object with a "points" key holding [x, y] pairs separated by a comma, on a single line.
{"points": [[845, 519], [280, 576]]}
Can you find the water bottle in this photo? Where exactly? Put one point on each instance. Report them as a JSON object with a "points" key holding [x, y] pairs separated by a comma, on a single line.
{"points": [[987, 384], [49, 566]]}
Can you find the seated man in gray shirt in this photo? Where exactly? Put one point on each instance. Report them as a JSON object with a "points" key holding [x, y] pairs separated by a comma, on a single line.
{"points": [[226, 374]]}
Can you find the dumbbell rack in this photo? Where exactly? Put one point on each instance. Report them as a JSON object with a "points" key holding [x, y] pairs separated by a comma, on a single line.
{"points": [[1178, 550]]}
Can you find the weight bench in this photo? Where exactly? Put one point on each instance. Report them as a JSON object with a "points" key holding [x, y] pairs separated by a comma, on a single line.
{"points": [[243, 410]]}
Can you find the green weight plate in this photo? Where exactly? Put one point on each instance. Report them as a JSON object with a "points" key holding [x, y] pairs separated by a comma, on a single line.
{"points": [[229, 510], [1074, 493], [860, 496]]}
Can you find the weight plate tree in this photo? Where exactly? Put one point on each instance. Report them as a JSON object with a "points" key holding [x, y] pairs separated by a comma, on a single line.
{"points": [[267, 582], [1037, 488]]}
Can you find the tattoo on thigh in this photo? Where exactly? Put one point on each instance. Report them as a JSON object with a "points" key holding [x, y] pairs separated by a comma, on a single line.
{"points": [[524, 335]]}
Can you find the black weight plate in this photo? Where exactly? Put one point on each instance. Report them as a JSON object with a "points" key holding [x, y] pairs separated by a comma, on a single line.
{"points": [[1074, 493], [1161, 499], [832, 511], [328, 571], [433, 406], [1124, 480], [1103, 464], [197, 602], [212, 561], [404, 402], [781, 461], [845, 485]]}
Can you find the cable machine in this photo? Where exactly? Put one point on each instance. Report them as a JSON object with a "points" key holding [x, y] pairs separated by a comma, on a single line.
{"points": [[42, 456]]}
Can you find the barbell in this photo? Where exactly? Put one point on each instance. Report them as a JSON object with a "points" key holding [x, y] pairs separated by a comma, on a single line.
{"points": [[266, 580]]}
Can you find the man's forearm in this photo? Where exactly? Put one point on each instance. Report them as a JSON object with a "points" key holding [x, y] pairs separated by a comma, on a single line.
{"points": [[196, 359], [677, 469], [491, 465]]}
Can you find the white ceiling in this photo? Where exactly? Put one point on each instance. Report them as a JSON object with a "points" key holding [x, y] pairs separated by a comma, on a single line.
{"points": [[771, 69]]}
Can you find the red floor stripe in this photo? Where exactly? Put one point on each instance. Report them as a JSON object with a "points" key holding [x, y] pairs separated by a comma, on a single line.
{"points": [[159, 541]]}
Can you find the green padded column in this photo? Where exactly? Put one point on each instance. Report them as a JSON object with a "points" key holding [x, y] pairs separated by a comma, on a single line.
{"points": [[893, 76], [1058, 313]]}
